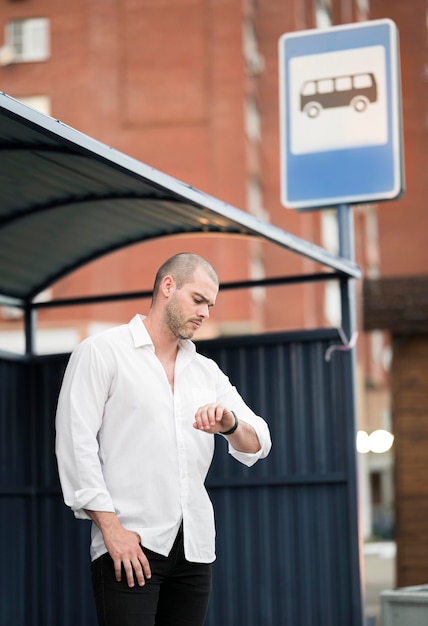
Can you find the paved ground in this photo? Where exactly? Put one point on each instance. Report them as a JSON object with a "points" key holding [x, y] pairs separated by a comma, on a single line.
{"points": [[379, 563]]}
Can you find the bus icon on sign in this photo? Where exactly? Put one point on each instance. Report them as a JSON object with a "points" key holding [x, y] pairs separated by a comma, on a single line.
{"points": [[353, 90]]}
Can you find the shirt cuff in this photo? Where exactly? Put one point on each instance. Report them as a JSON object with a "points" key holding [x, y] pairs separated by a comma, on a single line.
{"points": [[92, 499], [247, 458]]}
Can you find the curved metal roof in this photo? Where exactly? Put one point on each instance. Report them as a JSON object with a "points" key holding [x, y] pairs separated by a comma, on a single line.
{"points": [[67, 199]]}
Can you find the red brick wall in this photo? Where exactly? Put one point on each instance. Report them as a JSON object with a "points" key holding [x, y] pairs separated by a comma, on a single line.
{"points": [[403, 224], [165, 81]]}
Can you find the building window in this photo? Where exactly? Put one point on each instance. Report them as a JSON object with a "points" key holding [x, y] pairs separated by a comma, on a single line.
{"points": [[252, 121], [322, 15], [255, 198], [330, 241], [332, 303], [29, 39], [40, 103], [254, 60], [364, 6]]}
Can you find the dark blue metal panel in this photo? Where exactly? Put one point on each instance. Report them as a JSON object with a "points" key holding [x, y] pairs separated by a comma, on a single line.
{"points": [[281, 557], [15, 490], [44, 568], [285, 538], [285, 541], [65, 593]]}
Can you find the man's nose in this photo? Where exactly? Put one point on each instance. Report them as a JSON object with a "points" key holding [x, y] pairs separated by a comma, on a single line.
{"points": [[204, 311]]}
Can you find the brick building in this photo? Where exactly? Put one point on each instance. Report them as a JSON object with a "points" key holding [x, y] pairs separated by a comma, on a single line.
{"points": [[190, 87]]}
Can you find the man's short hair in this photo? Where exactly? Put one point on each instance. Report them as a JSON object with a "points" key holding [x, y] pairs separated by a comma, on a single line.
{"points": [[182, 267]]}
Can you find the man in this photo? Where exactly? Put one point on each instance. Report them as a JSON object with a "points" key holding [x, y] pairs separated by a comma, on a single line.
{"points": [[136, 416]]}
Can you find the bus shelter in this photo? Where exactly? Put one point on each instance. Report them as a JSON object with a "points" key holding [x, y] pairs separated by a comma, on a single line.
{"points": [[288, 533]]}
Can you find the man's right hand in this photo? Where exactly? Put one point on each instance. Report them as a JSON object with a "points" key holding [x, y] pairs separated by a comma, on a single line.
{"points": [[124, 548]]}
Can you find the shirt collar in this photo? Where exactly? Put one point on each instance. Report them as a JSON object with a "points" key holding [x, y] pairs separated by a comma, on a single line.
{"points": [[142, 337], [139, 332]]}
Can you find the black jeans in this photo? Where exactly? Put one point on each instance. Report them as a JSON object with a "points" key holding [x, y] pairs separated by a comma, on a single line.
{"points": [[177, 594]]}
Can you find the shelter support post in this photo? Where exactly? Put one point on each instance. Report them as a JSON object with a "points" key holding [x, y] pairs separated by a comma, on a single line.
{"points": [[30, 320]]}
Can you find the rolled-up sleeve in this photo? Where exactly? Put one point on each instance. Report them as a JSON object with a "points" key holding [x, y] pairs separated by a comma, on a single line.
{"points": [[262, 432], [78, 419]]}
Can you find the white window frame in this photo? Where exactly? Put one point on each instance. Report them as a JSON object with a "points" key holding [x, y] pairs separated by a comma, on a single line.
{"points": [[29, 39]]}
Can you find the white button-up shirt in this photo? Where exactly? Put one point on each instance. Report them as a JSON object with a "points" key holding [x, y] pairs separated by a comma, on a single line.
{"points": [[126, 442]]}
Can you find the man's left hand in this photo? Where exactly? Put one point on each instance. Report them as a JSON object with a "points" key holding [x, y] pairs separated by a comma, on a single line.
{"points": [[213, 418]]}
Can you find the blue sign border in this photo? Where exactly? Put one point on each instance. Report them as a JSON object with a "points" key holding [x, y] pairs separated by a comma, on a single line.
{"points": [[352, 175]]}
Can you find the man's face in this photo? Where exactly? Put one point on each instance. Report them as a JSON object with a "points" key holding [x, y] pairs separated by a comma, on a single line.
{"points": [[189, 306]]}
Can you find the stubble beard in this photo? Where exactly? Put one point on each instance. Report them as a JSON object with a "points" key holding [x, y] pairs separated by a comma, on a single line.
{"points": [[176, 322]]}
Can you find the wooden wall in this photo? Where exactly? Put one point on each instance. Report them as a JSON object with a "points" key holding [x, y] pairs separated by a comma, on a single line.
{"points": [[410, 422], [400, 305]]}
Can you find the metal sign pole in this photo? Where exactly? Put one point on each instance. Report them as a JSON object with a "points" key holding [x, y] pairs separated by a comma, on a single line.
{"points": [[348, 309]]}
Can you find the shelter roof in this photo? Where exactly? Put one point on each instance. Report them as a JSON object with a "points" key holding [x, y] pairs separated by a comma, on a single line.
{"points": [[67, 199]]}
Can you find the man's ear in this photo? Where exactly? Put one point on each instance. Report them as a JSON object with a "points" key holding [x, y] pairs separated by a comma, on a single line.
{"points": [[168, 285]]}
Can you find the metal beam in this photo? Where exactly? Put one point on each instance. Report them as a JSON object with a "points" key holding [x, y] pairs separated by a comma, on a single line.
{"points": [[137, 295]]}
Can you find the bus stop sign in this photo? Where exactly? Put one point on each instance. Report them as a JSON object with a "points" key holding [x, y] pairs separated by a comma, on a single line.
{"points": [[340, 114]]}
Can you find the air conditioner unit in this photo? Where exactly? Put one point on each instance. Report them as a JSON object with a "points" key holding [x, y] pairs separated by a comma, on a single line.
{"points": [[406, 606]]}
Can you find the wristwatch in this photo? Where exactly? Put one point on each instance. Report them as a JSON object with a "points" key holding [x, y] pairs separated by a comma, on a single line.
{"points": [[234, 427]]}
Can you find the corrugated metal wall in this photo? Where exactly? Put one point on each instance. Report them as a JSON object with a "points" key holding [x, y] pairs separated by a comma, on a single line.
{"points": [[44, 578], [286, 556], [287, 546]]}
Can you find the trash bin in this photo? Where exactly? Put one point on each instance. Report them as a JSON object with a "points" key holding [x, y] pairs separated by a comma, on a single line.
{"points": [[407, 606]]}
